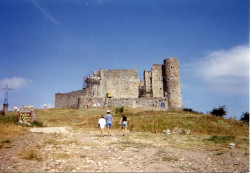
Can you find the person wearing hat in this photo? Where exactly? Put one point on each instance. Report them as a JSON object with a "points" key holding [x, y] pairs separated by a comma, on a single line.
{"points": [[109, 121]]}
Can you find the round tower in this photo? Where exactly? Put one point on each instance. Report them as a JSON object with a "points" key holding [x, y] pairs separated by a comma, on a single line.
{"points": [[172, 83]]}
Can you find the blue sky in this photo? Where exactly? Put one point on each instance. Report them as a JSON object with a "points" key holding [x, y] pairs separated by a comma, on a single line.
{"points": [[47, 46]]}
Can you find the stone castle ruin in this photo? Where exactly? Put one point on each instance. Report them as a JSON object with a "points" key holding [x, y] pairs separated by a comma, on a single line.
{"points": [[160, 89]]}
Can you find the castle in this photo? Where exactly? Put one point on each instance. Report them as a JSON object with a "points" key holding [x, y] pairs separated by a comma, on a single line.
{"points": [[160, 89]]}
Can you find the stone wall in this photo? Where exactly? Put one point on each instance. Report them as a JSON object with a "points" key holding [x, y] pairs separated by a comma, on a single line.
{"points": [[120, 83], [147, 83], [85, 102], [146, 103], [157, 81], [68, 100]]}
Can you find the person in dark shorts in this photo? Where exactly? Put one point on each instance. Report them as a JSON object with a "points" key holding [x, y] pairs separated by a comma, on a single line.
{"points": [[124, 124], [109, 121]]}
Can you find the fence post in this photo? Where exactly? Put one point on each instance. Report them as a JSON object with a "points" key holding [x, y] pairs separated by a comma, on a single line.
{"points": [[154, 122], [132, 122]]}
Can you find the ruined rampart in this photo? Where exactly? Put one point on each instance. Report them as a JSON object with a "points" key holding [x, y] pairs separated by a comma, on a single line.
{"points": [[68, 100], [146, 103], [160, 89]]}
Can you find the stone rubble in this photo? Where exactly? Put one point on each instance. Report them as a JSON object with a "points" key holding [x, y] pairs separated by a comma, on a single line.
{"points": [[86, 152]]}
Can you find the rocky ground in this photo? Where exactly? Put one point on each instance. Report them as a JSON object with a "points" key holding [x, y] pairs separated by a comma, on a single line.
{"points": [[82, 151]]}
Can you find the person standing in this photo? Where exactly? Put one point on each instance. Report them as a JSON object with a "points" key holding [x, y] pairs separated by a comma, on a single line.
{"points": [[109, 121], [124, 123], [102, 123]]}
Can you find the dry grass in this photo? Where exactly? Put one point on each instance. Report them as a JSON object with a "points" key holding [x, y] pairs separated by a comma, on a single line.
{"points": [[31, 154], [205, 129], [70, 117], [9, 126]]}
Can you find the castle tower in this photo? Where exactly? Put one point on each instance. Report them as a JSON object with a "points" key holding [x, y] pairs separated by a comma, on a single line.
{"points": [[172, 83]]}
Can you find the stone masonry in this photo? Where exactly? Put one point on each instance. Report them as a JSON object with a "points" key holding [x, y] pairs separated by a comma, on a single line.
{"points": [[160, 89]]}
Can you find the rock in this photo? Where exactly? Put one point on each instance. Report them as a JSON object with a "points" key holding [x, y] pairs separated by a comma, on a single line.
{"points": [[90, 161], [232, 145], [166, 132], [188, 131]]}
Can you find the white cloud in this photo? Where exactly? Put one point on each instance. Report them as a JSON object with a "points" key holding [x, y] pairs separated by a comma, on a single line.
{"points": [[223, 71], [226, 71], [226, 63], [15, 83]]}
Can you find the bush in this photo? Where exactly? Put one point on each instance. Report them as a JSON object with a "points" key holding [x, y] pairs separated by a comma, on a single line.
{"points": [[220, 112], [191, 110], [9, 119], [245, 117], [221, 139], [37, 123], [119, 110]]}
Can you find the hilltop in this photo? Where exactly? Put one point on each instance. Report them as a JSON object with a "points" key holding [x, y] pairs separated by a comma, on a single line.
{"points": [[204, 148]]}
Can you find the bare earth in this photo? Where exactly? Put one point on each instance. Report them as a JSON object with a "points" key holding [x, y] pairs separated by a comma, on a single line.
{"points": [[84, 151]]}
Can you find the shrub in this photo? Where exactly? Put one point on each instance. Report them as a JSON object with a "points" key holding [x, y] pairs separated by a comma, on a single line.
{"points": [[221, 139], [245, 116], [219, 112], [37, 123], [9, 119], [191, 110], [119, 110]]}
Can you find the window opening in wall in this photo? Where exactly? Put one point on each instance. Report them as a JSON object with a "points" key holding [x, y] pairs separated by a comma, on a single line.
{"points": [[171, 67], [168, 93], [172, 75]]}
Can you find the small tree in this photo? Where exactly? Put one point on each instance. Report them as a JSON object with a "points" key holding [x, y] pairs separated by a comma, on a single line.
{"points": [[245, 116], [219, 112]]}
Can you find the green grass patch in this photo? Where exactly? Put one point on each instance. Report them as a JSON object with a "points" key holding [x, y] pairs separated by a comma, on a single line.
{"points": [[169, 158], [219, 153], [7, 141], [37, 123], [11, 118], [221, 139]]}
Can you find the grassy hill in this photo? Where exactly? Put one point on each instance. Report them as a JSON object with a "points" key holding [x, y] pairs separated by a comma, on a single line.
{"points": [[201, 127]]}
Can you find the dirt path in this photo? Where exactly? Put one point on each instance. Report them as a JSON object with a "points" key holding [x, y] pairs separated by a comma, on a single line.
{"points": [[87, 152]]}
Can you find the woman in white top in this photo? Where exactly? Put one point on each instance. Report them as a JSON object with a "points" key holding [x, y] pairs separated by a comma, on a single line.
{"points": [[102, 123]]}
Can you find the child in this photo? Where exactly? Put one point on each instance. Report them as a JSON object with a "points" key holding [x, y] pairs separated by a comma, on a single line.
{"points": [[102, 123]]}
